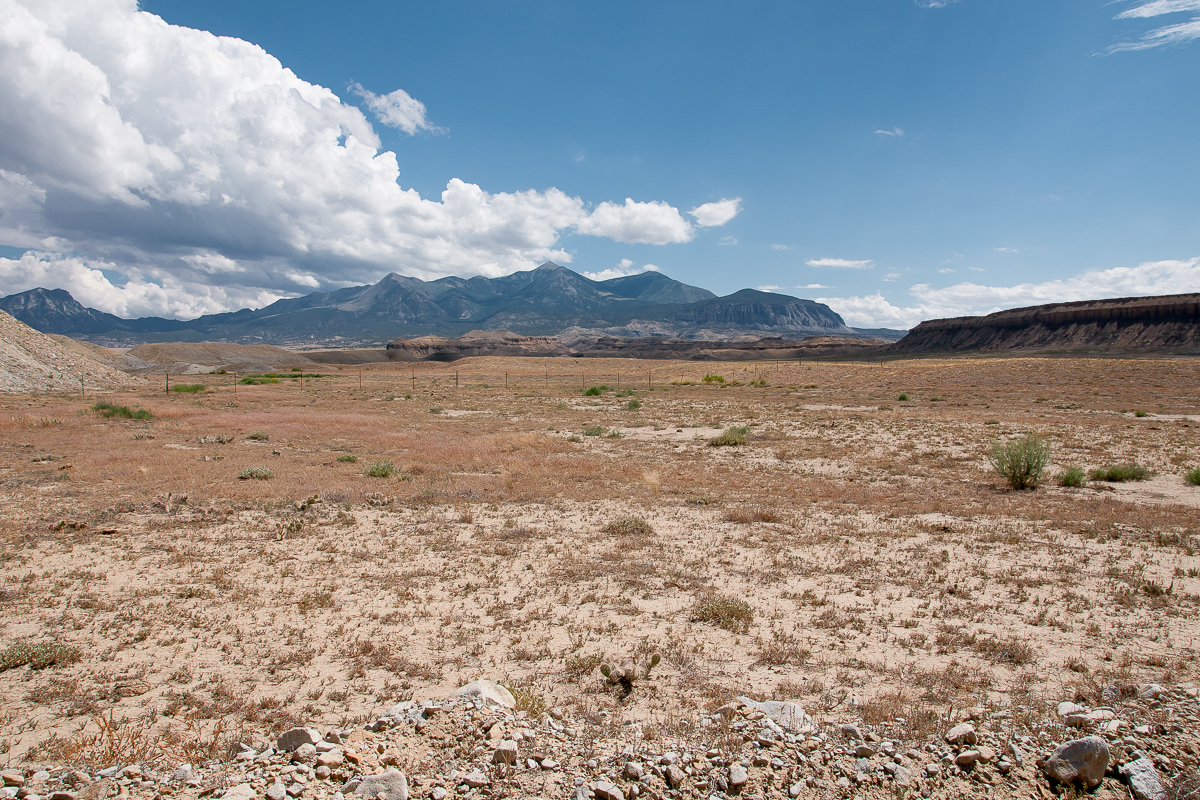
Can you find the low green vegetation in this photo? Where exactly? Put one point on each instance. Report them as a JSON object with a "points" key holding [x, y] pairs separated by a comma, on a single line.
{"points": [[1071, 476], [628, 526], [255, 474], [593, 430], [595, 391], [717, 379], [110, 411], [731, 613], [381, 469], [259, 436], [633, 405], [1192, 476], [37, 656], [188, 388], [347, 459], [1021, 461], [1140, 413], [1120, 473], [259, 379], [732, 437], [903, 398]]}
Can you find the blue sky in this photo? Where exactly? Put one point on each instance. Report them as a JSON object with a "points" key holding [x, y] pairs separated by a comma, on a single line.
{"points": [[900, 160]]}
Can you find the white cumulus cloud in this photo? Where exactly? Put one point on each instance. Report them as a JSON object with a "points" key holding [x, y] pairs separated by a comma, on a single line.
{"points": [[714, 215], [962, 299], [624, 268], [894, 133], [396, 109], [169, 157], [840, 263]]}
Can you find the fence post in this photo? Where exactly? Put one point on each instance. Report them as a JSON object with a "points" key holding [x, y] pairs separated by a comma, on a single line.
{"points": [[166, 383]]}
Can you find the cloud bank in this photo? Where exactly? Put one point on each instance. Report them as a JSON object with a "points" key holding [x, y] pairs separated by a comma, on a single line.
{"points": [[169, 161], [962, 299]]}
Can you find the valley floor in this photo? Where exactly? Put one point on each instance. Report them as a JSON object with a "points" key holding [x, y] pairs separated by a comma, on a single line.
{"points": [[253, 558]]}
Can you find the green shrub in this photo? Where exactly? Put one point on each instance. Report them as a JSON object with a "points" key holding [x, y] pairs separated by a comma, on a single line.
{"points": [[632, 405], [381, 469], [731, 613], [732, 437], [1140, 413], [1021, 461], [347, 459], [718, 379], [903, 398], [1120, 473], [188, 388], [1071, 476], [257, 380], [37, 656], [628, 526], [108, 411], [593, 430], [1192, 476], [255, 474], [259, 436], [595, 391], [435, 410]]}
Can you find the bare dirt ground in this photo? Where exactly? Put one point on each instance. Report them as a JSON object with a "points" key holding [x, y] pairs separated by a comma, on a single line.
{"points": [[856, 554]]}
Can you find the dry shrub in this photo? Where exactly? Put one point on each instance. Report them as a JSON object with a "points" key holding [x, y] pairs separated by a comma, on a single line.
{"points": [[782, 649], [102, 742], [37, 656], [1006, 651], [745, 515]]}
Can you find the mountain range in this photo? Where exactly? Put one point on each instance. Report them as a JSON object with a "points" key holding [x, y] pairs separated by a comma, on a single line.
{"points": [[546, 301]]}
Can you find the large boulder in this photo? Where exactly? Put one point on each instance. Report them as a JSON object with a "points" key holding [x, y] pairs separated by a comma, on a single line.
{"points": [[393, 785], [1081, 760], [290, 740], [1143, 779], [787, 715], [487, 690]]}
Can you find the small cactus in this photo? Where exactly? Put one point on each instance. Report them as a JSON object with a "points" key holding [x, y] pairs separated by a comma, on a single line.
{"points": [[629, 673]]}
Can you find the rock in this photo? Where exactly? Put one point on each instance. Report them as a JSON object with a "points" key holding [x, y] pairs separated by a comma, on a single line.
{"points": [[1082, 760], [1075, 721], [288, 741], [277, 791], [675, 776], [392, 784], [438, 793], [306, 752], [323, 773], [1066, 709], [796, 789], [851, 732], [486, 690], [61, 796], [963, 733], [738, 776], [986, 754], [1143, 779], [81, 778], [633, 771], [903, 776], [967, 758], [1150, 691], [243, 791], [183, 774], [785, 714], [864, 751], [12, 778], [505, 752], [296, 789], [331, 759], [475, 779], [549, 764], [1101, 715], [607, 791]]}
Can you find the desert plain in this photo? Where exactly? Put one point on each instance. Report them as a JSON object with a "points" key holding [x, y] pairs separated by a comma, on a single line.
{"points": [[250, 558]]}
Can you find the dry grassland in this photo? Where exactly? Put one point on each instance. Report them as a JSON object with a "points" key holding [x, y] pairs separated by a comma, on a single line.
{"points": [[856, 553]]}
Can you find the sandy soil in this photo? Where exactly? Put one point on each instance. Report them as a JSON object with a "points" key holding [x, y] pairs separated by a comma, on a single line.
{"points": [[871, 564]]}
